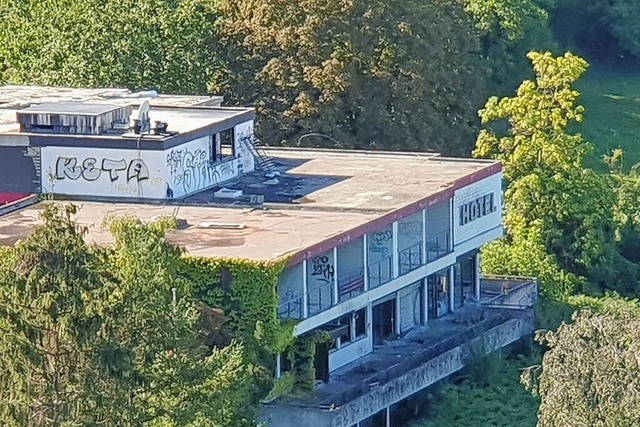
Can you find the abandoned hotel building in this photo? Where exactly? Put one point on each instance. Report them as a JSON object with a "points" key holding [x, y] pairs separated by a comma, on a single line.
{"points": [[382, 248]]}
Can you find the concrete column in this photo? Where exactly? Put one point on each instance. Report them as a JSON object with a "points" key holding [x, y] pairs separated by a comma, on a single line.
{"points": [[335, 276], [388, 416], [365, 258], [476, 276], [451, 216], [305, 291], [424, 236], [278, 366], [425, 300], [370, 324], [396, 320], [451, 288], [395, 260]]}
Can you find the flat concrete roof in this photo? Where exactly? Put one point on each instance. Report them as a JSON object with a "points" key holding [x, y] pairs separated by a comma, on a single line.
{"points": [[324, 198], [21, 95], [68, 108], [15, 97]]}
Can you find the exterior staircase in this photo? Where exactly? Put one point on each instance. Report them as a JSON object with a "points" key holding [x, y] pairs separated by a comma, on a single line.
{"points": [[263, 161]]}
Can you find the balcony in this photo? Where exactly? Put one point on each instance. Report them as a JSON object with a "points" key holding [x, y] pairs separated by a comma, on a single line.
{"points": [[410, 258], [438, 245], [399, 368], [350, 285], [380, 272]]}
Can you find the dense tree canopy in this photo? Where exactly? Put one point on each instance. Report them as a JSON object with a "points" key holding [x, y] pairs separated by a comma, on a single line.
{"points": [[148, 44], [556, 208], [394, 74], [591, 373], [90, 336]]}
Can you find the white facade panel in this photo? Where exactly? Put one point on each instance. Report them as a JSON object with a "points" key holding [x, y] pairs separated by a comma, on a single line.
{"points": [[103, 172], [347, 354], [477, 208], [190, 168], [241, 131]]}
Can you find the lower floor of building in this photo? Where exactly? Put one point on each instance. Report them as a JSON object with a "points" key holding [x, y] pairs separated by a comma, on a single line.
{"points": [[360, 331]]}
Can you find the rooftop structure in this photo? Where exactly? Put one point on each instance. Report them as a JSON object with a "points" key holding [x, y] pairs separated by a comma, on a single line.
{"points": [[15, 97]]}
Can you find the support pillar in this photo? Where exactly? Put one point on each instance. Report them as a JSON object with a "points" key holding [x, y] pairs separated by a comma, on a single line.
{"points": [[424, 236], [476, 276], [451, 289], [395, 261], [365, 257], [335, 276], [305, 291]]}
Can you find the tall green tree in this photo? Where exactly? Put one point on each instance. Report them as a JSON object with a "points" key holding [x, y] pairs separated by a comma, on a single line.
{"points": [[555, 208], [146, 44], [93, 336], [394, 74]]}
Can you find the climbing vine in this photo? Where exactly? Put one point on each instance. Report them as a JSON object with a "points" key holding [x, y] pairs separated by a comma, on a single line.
{"points": [[302, 356], [247, 291]]}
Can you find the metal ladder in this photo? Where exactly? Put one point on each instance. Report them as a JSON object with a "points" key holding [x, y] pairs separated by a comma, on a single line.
{"points": [[263, 161]]}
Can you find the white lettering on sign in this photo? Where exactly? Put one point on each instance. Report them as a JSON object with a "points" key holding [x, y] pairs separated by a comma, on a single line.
{"points": [[477, 208]]}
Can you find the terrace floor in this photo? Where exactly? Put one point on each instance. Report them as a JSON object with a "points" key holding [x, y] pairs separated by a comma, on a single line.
{"points": [[503, 300]]}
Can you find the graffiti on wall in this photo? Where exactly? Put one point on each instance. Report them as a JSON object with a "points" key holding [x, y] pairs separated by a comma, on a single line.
{"points": [[380, 241], [90, 169], [242, 133], [410, 228], [192, 169], [322, 269]]}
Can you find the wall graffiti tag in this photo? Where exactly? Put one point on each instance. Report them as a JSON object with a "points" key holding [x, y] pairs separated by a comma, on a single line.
{"points": [[380, 241], [323, 269], [410, 228], [192, 169], [89, 169]]}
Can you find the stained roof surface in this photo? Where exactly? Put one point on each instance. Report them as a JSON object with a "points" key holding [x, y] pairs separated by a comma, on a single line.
{"points": [[321, 195]]}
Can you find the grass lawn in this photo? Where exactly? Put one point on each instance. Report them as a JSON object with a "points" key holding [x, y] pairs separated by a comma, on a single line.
{"points": [[612, 118]]}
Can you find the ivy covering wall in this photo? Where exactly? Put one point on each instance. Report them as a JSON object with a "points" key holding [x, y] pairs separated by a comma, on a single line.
{"points": [[247, 292]]}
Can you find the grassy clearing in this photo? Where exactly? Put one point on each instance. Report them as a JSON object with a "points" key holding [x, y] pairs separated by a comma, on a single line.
{"points": [[612, 118]]}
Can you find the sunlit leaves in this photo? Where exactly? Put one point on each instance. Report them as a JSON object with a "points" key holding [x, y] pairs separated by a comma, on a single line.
{"points": [[91, 336]]}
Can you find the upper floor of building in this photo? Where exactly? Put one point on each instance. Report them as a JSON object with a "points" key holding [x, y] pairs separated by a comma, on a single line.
{"points": [[111, 144]]}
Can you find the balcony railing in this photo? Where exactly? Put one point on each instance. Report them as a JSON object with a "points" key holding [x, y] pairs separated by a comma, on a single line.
{"points": [[320, 299], [351, 285], [380, 272], [410, 258], [438, 245], [291, 307]]}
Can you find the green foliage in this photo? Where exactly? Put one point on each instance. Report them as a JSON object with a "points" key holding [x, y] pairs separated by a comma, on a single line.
{"points": [[302, 357], [559, 214], [247, 291], [90, 335], [590, 374], [506, 16], [486, 393], [372, 74], [139, 44], [282, 387]]}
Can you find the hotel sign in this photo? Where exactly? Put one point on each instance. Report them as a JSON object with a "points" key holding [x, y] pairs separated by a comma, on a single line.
{"points": [[477, 208]]}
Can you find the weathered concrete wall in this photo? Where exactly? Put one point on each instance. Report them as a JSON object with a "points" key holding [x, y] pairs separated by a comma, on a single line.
{"points": [[402, 387]]}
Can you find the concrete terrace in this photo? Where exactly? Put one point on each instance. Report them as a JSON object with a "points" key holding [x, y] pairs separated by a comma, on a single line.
{"points": [[320, 199]]}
